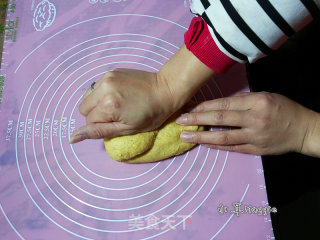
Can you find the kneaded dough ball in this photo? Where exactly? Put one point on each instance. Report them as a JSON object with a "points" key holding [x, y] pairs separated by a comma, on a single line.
{"points": [[151, 146]]}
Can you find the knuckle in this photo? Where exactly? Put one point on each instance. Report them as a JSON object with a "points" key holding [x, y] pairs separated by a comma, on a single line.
{"points": [[224, 104], [223, 138], [265, 100], [104, 83], [109, 102], [192, 118], [233, 148], [108, 80], [96, 132], [218, 117], [197, 137], [110, 74]]}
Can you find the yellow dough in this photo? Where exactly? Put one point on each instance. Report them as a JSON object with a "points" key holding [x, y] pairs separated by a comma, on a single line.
{"points": [[150, 146]]}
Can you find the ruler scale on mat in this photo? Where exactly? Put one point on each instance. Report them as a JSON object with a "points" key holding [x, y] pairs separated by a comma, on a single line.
{"points": [[49, 189]]}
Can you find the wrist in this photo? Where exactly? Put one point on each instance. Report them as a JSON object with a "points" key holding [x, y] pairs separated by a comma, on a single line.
{"points": [[311, 143], [183, 75]]}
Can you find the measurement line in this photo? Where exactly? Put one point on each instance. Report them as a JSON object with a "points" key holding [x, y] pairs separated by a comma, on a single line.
{"points": [[225, 224], [8, 220], [91, 19]]}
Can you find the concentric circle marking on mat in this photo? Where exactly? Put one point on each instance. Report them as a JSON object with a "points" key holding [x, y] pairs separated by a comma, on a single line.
{"points": [[63, 62], [67, 59], [52, 97], [72, 94], [97, 175], [10, 223], [92, 19]]}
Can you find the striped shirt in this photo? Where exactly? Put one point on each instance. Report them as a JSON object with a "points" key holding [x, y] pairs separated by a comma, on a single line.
{"points": [[246, 30]]}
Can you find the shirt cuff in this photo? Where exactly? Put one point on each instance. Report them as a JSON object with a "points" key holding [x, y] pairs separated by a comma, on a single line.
{"points": [[200, 42]]}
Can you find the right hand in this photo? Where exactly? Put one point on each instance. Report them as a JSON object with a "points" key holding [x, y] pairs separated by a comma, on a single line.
{"points": [[263, 124]]}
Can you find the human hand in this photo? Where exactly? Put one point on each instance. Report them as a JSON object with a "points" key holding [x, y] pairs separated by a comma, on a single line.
{"points": [[263, 124], [128, 101], [123, 102]]}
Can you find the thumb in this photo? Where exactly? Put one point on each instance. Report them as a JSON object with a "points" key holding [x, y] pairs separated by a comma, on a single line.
{"points": [[97, 131]]}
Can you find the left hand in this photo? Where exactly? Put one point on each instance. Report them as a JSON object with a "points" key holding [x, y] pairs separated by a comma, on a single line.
{"points": [[263, 124], [123, 102], [127, 101]]}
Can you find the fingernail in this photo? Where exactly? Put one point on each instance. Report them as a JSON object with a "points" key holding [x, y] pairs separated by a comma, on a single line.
{"points": [[186, 136], [77, 138], [193, 110], [182, 120]]}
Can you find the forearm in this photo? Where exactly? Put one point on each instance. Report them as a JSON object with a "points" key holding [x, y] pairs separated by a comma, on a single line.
{"points": [[184, 74], [311, 144]]}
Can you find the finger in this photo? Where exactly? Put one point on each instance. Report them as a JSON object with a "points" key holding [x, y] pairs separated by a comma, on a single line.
{"points": [[93, 86], [241, 148], [86, 94], [229, 103], [98, 97], [90, 101], [98, 131], [102, 114], [92, 97], [221, 137], [215, 118]]}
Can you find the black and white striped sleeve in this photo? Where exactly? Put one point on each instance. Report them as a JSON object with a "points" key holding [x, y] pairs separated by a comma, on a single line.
{"points": [[246, 30]]}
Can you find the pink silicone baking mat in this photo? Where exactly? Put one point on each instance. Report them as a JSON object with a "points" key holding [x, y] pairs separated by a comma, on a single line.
{"points": [[49, 189]]}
